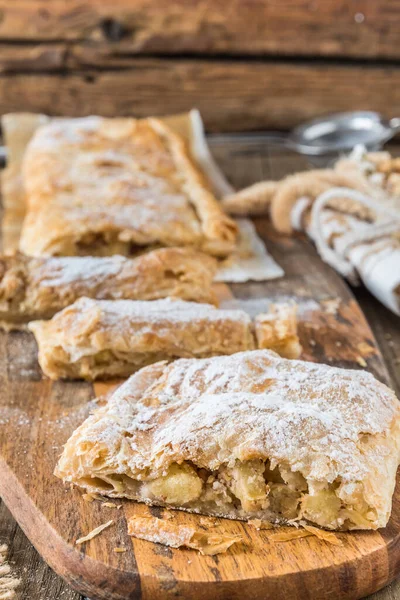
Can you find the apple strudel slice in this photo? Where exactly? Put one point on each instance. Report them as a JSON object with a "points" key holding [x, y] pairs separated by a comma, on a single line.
{"points": [[37, 288], [99, 338], [246, 436], [97, 186]]}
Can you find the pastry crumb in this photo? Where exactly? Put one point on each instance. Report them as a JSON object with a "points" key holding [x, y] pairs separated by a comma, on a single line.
{"points": [[304, 531], [158, 531], [208, 522], [286, 536], [259, 524], [119, 549], [93, 533], [89, 497], [326, 536], [361, 361], [109, 504], [331, 305]]}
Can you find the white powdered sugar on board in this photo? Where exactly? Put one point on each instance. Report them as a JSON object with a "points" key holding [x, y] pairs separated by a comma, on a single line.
{"points": [[250, 261], [318, 419]]}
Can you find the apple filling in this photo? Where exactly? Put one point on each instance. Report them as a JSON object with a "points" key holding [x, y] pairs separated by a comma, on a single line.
{"points": [[245, 490]]}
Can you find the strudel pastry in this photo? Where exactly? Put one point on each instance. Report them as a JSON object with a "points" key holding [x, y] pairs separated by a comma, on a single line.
{"points": [[247, 436], [37, 288], [100, 338], [97, 186]]}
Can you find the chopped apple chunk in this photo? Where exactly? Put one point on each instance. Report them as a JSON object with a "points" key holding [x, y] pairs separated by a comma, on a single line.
{"points": [[321, 508], [179, 486], [248, 484]]}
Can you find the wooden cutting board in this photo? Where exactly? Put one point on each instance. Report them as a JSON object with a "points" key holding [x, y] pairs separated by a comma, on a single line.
{"points": [[37, 416]]}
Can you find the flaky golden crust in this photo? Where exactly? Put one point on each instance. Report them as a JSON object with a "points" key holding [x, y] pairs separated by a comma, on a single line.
{"points": [[94, 339], [107, 186], [37, 288], [243, 436], [98, 338]]}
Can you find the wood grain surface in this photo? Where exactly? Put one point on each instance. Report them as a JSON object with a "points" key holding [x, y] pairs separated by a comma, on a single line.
{"points": [[242, 63], [244, 163], [231, 95], [334, 28]]}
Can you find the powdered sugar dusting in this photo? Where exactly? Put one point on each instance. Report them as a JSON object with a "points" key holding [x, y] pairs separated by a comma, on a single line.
{"points": [[67, 270], [116, 313], [318, 419]]}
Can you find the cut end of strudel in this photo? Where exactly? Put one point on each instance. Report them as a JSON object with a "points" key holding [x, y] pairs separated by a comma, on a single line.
{"points": [[94, 339], [246, 436], [38, 287], [97, 186]]}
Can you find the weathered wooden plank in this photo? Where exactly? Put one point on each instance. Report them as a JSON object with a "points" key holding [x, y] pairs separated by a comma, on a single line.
{"points": [[32, 57], [232, 95], [37, 580], [361, 28]]}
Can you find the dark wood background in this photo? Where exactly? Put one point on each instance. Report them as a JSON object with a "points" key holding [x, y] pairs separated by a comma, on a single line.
{"points": [[246, 64]]}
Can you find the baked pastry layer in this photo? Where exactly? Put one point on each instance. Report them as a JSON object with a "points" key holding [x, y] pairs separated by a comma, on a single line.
{"points": [[37, 288], [98, 186], [250, 435], [99, 338]]}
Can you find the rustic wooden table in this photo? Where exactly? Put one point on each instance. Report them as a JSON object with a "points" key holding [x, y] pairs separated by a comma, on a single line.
{"points": [[244, 162]]}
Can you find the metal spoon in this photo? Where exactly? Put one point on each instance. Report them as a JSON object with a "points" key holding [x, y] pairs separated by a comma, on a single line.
{"points": [[333, 134]]}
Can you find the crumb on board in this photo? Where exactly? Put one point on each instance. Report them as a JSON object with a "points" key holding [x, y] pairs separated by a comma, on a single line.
{"points": [[119, 549], [365, 349], [90, 497], [260, 524], [331, 305], [208, 522], [326, 536], [287, 536], [306, 531], [361, 361], [94, 532], [163, 532]]}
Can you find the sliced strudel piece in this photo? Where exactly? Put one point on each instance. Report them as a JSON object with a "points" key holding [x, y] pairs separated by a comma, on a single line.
{"points": [[101, 338], [98, 186], [98, 339], [37, 288], [247, 436]]}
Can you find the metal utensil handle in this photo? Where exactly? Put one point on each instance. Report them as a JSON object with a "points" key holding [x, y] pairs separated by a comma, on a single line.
{"points": [[3, 157], [259, 137]]}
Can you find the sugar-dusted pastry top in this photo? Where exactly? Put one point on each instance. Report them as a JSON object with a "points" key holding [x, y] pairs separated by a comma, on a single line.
{"points": [[333, 434], [99, 186], [32, 288], [103, 338]]}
